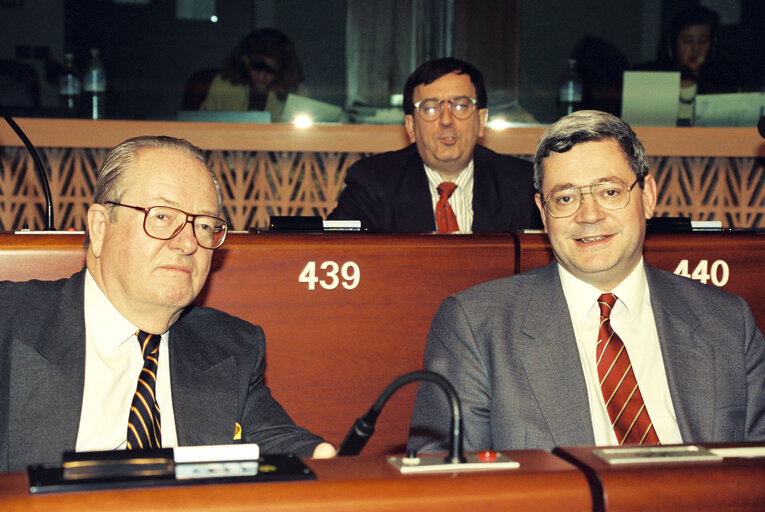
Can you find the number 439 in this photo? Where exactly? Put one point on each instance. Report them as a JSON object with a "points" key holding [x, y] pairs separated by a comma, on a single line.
{"points": [[349, 275]]}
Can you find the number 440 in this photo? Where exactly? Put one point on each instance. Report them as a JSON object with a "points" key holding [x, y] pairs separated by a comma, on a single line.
{"points": [[718, 273]]}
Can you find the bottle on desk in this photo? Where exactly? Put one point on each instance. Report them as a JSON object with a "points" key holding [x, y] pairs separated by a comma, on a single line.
{"points": [[570, 91], [95, 87], [70, 87]]}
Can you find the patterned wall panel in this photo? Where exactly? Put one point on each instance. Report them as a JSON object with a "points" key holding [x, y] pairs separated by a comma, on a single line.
{"points": [[259, 184]]}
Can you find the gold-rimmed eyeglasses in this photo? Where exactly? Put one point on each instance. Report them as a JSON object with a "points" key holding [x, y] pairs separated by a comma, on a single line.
{"points": [[461, 107], [611, 195], [164, 223]]}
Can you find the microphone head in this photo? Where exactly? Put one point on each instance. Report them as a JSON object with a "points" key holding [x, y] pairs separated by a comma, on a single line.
{"points": [[761, 127]]}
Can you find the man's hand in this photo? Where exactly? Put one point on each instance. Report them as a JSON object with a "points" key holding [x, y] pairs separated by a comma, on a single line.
{"points": [[324, 451]]}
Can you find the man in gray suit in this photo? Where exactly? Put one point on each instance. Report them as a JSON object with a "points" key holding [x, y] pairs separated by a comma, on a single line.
{"points": [[69, 356], [522, 351]]}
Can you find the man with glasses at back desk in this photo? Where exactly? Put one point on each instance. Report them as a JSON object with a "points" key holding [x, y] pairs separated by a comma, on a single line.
{"points": [[117, 356], [444, 181], [596, 348]]}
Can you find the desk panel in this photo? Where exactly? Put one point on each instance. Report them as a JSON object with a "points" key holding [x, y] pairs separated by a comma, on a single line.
{"points": [[542, 483], [732, 261], [333, 341], [730, 484]]}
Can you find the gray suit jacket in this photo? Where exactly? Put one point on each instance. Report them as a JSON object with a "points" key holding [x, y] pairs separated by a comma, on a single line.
{"points": [[216, 372], [508, 347]]}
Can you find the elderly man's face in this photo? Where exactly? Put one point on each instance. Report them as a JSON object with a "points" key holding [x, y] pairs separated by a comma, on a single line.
{"points": [[446, 144], [597, 245], [140, 274]]}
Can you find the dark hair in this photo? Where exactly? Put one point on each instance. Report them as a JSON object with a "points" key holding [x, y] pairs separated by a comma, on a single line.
{"points": [[698, 15], [267, 42], [587, 126], [433, 70]]}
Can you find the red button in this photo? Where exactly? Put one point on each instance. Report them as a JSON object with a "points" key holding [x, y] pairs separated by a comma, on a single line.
{"points": [[487, 456]]}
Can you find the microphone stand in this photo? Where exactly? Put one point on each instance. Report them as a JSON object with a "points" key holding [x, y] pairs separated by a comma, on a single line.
{"points": [[364, 427], [39, 167]]}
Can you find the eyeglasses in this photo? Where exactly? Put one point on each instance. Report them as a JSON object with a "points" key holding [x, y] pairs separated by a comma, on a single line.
{"points": [[611, 195], [164, 223], [461, 107]]}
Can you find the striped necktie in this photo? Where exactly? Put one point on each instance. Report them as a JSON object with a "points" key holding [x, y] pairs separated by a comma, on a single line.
{"points": [[144, 422], [624, 403], [446, 221]]}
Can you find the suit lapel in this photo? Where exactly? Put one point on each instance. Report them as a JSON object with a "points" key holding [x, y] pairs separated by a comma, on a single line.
{"points": [[413, 209], [55, 349], [551, 361], [688, 360], [204, 388]]}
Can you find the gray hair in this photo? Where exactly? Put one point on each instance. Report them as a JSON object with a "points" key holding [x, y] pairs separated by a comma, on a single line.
{"points": [[110, 182], [586, 126]]}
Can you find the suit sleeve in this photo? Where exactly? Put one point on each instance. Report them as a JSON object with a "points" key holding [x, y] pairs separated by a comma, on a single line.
{"points": [[264, 421], [361, 199], [755, 377], [451, 351]]}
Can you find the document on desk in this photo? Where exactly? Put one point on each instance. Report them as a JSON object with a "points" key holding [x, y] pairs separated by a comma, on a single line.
{"points": [[656, 454], [741, 452]]}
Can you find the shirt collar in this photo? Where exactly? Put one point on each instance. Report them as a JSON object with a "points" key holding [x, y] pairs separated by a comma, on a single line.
{"points": [[464, 178], [581, 297], [103, 322]]}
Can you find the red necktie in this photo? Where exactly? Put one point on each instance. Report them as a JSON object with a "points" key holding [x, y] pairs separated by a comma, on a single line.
{"points": [[144, 422], [446, 221], [624, 403]]}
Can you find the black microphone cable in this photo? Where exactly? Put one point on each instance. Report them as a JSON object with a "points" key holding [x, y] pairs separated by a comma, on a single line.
{"points": [[364, 427], [39, 167]]}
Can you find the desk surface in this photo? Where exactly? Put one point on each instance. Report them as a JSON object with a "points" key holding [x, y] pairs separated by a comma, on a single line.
{"points": [[730, 484], [543, 482]]}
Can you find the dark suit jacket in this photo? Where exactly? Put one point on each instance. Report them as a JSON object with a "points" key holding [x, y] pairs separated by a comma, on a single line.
{"points": [[508, 347], [389, 192], [216, 374]]}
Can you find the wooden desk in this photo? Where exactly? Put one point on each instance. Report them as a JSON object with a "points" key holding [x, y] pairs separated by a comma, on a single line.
{"points": [[543, 482], [732, 261], [332, 349], [730, 484], [330, 352]]}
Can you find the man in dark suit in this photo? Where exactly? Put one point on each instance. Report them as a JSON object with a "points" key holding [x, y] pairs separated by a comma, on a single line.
{"points": [[69, 357], [445, 106], [679, 361]]}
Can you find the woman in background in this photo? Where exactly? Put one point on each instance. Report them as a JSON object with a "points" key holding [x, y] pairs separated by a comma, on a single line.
{"points": [[258, 74], [690, 49]]}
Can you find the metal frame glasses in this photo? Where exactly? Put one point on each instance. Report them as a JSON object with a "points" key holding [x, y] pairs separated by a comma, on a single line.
{"points": [[461, 107], [165, 223], [611, 195]]}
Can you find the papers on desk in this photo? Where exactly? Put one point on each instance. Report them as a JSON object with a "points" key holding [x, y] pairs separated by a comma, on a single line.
{"points": [[651, 98], [743, 452], [655, 454], [740, 109]]}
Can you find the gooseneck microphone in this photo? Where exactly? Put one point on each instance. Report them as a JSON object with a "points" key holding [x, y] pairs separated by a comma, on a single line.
{"points": [[39, 167], [364, 427]]}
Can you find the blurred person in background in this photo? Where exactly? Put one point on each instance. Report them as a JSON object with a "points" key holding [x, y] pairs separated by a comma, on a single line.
{"points": [[258, 74]]}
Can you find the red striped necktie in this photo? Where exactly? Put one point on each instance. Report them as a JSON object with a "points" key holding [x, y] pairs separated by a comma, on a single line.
{"points": [[144, 422], [446, 221], [629, 416]]}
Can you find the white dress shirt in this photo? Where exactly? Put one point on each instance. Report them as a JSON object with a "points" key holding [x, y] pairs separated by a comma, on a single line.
{"points": [[632, 319], [461, 200], [113, 362]]}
